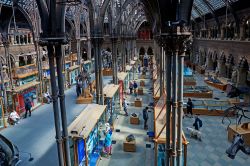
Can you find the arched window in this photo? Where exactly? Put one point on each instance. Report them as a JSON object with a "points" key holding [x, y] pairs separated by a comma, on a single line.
{"points": [[21, 61], [150, 51], [142, 51], [29, 59]]}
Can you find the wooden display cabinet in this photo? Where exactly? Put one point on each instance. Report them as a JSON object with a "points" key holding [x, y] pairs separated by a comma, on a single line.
{"points": [[138, 102], [134, 120], [140, 91], [129, 146], [142, 83], [242, 129]]}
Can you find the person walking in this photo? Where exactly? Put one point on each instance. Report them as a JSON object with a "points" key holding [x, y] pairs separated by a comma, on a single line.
{"points": [[28, 107], [125, 106], [197, 123], [145, 117], [190, 107]]}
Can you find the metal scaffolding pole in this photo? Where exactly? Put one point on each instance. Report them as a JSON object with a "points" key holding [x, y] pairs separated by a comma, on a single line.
{"points": [[180, 108], [60, 77], [55, 104], [168, 106], [174, 108]]}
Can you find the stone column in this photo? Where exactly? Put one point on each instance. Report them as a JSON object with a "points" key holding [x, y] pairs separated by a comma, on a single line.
{"points": [[229, 66], [114, 59], [222, 33], [243, 68], [209, 62], [242, 30], [222, 66]]}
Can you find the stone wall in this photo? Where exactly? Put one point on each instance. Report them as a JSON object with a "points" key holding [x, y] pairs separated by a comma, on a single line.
{"points": [[236, 48]]}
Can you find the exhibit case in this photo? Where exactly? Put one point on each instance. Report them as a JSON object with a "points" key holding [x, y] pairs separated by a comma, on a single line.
{"points": [[160, 134], [86, 138], [197, 91], [112, 100]]}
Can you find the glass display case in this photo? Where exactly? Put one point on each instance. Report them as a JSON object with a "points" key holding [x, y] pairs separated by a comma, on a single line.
{"points": [[209, 107], [197, 91], [112, 100], [86, 136]]}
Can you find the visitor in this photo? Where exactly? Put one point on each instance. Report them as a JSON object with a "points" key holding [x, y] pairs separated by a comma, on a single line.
{"points": [[190, 107], [139, 68], [197, 123], [14, 118], [78, 87], [28, 107], [48, 97], [135, 87], [145, 117], [130, 87], [108, 142], [125, 106]]}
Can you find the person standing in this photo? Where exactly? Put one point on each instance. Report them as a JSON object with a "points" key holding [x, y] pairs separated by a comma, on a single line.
{"points": [[190, 107], [125, 106], [108, 142], [145, 117], [130, 87], [28, 107], [135, 87]]}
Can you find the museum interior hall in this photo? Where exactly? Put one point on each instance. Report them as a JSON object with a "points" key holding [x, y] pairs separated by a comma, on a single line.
{"points": [[124, 82]]}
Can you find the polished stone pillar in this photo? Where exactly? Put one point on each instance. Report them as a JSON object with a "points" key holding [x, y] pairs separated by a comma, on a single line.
{"points": [[243, 68], [209, 62], [229, 66], [222, 66]]}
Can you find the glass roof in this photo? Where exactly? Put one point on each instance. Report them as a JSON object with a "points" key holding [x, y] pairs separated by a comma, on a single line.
{"points": [[207, 6], [6, 2]]}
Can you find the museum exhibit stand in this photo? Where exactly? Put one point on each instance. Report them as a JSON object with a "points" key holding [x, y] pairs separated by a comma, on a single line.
{"points": [[242, 129], [112, 100], [160, 134], [210, 107], [16, 96], [218, 83], [197, 92], [25, 74], [86, 136], [72, 73]]}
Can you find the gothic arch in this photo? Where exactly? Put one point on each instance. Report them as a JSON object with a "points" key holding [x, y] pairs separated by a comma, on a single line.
{"points": [[150, 51], [142, 51]]}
